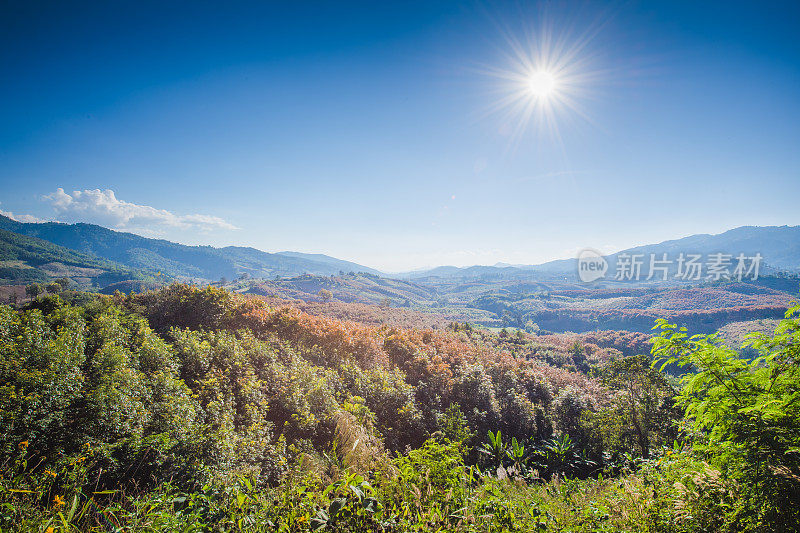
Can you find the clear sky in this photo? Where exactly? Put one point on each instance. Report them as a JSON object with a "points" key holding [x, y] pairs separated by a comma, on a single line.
{"points": [[378, 132]]}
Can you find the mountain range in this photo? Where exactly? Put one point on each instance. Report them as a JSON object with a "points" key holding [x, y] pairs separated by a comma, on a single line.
{"points": [[89, 245], [202, 263], [779, 247]]}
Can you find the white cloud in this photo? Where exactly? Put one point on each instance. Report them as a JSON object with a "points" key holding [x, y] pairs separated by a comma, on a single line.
{"points": [[104, 208], [21, 218]]}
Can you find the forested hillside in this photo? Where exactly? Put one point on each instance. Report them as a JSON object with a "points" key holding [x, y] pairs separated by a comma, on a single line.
{"points": [[27, 259], [157, 255], [189, 409]]}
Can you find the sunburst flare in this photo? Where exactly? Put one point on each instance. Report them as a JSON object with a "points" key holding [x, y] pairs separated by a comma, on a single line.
{"points": [[544, 80]]}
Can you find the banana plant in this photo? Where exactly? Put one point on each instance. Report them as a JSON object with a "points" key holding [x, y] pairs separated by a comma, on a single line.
{"points": [[516, 454], [494, 449], [556, 455]]}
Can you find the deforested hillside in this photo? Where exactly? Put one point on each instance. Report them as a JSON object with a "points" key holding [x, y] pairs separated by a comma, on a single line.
{"points": [[541, 306]]}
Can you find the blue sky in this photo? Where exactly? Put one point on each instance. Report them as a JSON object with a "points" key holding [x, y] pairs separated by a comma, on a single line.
{"points": [[368, 131]]}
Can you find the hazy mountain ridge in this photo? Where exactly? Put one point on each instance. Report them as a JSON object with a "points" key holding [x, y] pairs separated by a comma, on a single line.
{"points": [[342, 265], [778, 245]]}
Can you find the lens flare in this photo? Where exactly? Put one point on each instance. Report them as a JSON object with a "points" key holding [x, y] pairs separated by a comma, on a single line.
{"points": [[544, 79]]}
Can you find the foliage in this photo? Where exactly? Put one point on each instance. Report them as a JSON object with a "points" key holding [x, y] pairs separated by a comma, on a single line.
{"points": [[643, 408], [194, 409], [747, 414]]}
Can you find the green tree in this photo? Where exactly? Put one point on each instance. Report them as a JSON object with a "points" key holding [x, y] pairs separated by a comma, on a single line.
{"points": [[531, 326], [579, 357], [454, 425], [53, 287], [34, 290], [747, 414], [645, 405], [40, 375]]}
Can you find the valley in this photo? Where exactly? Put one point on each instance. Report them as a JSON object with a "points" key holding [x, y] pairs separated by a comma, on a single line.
{"points": [[536, 299]]}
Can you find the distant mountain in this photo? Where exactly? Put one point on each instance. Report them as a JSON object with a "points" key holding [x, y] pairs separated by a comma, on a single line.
{"points": [[778, 245], [440, 272], [344, 266], [179, 260], [480, 272], [26, 259]]}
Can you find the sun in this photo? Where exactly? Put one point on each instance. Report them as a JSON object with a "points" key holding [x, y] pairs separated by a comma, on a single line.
{"points": [[543, 78], [542, 84]]}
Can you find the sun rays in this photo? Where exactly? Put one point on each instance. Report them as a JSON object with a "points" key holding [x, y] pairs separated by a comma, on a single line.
{"points": [[543, 81]]}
